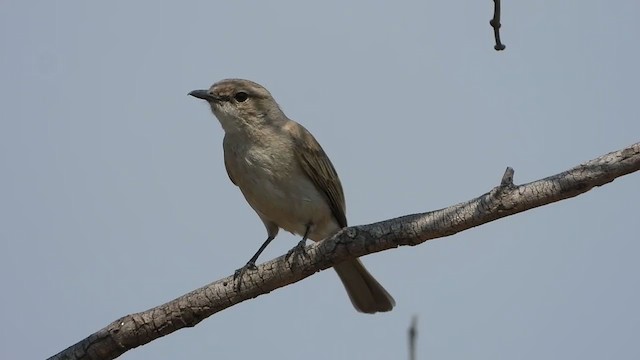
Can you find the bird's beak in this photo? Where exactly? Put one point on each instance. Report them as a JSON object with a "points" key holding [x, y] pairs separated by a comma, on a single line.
{"points": [[202, 94]]}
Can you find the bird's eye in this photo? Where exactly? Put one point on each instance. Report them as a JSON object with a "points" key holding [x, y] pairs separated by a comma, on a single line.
{"points": [[241, 96]]}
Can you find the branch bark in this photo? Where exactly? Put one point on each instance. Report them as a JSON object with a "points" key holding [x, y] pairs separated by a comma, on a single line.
{"points": [[506, 199]]}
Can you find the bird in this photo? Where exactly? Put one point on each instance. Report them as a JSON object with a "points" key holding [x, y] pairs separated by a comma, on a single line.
{"points": [[287, 179]]}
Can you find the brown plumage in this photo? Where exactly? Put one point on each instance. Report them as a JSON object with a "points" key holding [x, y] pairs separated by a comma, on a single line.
{"points": [[287, 178]]}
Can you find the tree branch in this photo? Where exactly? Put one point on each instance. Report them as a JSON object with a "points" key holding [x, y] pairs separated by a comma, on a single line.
{"points": [[506, 199]]}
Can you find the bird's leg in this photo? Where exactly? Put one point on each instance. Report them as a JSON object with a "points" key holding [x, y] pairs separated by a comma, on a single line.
{"points": [[251, 264], [300, 248]]}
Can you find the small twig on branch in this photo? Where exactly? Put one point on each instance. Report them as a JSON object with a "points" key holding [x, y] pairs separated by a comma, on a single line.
{"points": [[495, 24], [413, 333], [506, 199]]}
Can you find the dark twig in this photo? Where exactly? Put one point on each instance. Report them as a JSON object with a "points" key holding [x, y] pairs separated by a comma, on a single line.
{"points": [[413, 333], [495, 24]]}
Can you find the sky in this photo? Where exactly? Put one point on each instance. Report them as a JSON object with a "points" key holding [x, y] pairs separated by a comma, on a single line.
{"points": [[114, 197]]}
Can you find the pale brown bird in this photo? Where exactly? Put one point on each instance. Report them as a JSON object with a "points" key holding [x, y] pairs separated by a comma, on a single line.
{"points": [[287, 179]]}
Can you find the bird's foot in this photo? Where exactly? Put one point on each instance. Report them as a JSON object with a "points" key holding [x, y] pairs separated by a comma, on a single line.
{"points": [[299, 249], [238, 274]]}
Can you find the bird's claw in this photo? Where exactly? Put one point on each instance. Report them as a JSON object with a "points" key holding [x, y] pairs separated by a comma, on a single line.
{"points": [[298, 249], [238, 274]]}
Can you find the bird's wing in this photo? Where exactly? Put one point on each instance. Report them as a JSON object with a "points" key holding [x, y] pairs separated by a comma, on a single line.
{"points": [[316, 164]]}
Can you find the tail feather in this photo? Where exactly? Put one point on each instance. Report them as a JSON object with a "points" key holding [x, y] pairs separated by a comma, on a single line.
{"points": [[365, 292]]}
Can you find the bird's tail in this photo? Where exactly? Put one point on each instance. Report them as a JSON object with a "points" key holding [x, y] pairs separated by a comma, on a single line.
{"points": [[365, 292]]}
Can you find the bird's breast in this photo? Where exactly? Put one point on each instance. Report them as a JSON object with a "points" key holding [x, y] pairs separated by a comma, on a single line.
{"points": [[275, 185]]}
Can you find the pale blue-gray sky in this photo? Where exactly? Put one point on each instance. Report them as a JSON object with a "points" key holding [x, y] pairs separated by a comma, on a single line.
{"points": [[114, 199]]}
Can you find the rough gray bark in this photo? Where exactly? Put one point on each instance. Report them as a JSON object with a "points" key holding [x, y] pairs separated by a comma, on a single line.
{"points": [[506, 199]]}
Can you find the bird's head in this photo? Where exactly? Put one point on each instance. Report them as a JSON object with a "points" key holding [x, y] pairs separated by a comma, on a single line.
{"points": [[240, 104]]}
